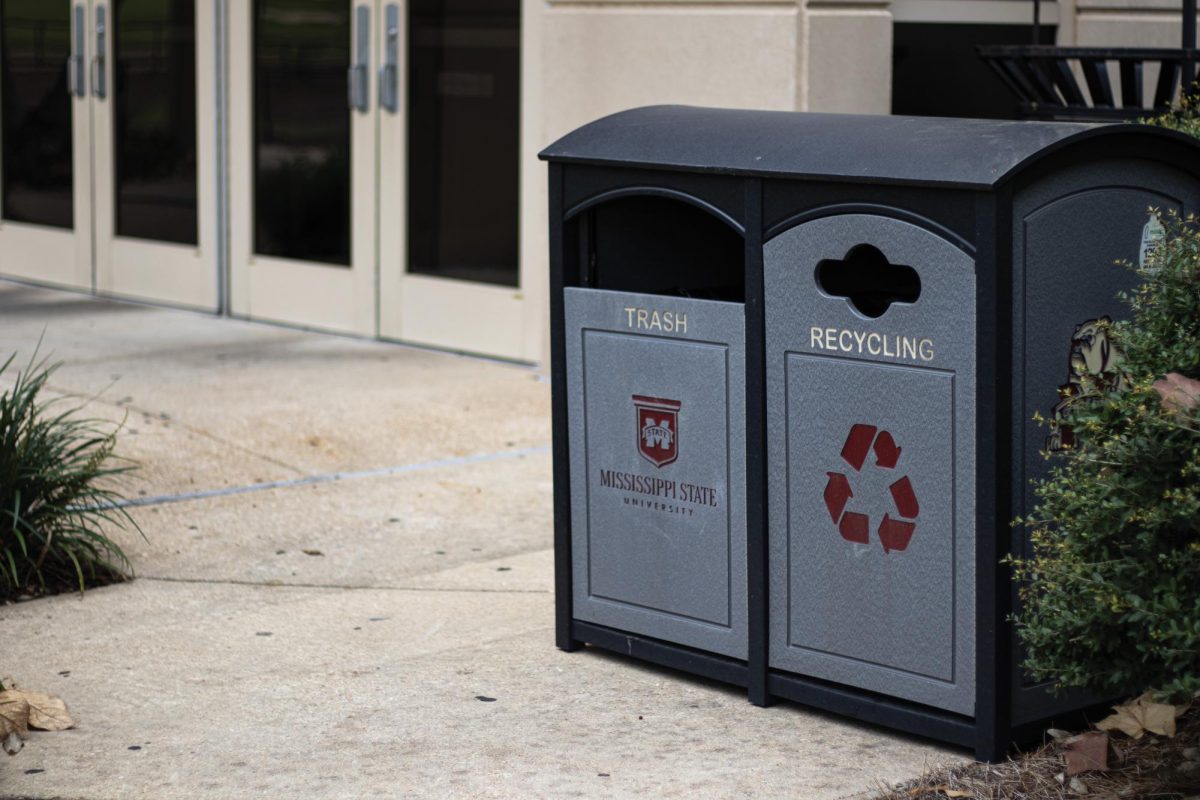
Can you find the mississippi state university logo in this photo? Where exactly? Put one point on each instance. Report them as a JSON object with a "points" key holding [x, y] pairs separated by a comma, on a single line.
{"points": [[657, 429]]}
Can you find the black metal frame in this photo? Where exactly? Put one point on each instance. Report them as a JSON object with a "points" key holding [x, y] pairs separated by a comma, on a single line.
{"points": [[990, 733], [1044, 78]]}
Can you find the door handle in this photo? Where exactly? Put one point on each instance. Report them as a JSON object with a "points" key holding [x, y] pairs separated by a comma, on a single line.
{"points": [[389, 73], [357, 75], [99, 60], [76, 79]]}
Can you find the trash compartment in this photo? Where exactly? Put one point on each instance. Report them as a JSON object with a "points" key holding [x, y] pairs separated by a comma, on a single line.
{"points": [[883, 305], [657, 440]]}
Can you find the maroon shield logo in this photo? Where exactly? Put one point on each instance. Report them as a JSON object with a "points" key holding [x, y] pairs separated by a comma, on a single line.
{"points": [[657, 429]]}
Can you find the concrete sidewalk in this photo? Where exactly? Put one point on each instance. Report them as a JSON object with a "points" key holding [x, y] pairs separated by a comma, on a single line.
{"points": [[347, 592]]}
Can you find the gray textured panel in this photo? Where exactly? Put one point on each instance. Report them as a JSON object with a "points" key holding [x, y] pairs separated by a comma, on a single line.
{"points": [[872, 586], [1068, 232], [657, 439], [862, 602]]}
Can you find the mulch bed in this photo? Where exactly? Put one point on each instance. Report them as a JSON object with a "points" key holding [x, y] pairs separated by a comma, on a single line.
{"points": [[1149, 768]]}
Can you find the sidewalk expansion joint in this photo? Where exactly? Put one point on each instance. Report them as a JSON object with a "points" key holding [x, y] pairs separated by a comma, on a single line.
{"points": [[331, 477], [377, 588], [201, 432]]}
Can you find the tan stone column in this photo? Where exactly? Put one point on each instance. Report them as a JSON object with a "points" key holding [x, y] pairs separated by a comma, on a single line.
{"points": [[846, 54], [609, 55], [1128, 23]]}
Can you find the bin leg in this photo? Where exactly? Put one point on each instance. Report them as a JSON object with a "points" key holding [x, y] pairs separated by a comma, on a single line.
{"points": [[759, 695], [563, 608], [990, 747], [757, 651]]}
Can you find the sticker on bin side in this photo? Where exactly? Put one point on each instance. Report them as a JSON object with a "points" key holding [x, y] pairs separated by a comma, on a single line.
{"points": [[1153, 236], [1093, 368]]}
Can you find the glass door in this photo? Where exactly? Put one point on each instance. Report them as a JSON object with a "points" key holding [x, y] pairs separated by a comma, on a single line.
{"points": [[45, 150], [302, 162], [107, 122], [449, 166], [374, 162], [155, 139]]}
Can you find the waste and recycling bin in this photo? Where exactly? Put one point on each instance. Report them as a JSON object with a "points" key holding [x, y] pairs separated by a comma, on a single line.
{"points": [[796, 360]]}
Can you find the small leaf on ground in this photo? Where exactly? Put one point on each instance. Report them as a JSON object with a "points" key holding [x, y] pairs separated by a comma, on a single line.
{"points": [[47, 713], [14, 721], [14, 713], [1086, 752], [1142, 715], [312, 552]]}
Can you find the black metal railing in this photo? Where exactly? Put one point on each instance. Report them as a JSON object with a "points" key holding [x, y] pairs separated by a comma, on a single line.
{"points": [[1078, 82]]}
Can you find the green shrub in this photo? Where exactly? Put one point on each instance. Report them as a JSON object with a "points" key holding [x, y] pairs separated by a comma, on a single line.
{"points": [[1111, 594], [56, 491], [1186, 118]]}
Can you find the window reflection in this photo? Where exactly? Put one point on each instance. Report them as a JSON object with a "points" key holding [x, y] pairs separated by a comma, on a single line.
{"points": [[464, 97], [35, 119], [302, 130], [154, 119]]}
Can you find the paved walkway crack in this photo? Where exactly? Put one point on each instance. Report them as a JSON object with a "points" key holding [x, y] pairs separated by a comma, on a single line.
{"points": [[171, 422], [377, 587], [331, 477]]}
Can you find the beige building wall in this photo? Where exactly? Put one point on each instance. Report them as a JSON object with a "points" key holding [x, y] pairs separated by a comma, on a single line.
{"points": [[597, 57], [1121, 23]]}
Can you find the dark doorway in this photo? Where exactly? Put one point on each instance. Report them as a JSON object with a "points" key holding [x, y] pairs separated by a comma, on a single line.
{"points": [[38, 177], [936, 71], [302, 130], [154, 120], [463, 139]]}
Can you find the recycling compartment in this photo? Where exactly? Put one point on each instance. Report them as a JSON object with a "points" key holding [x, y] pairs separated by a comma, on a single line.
{"points": [[795, 363], [870, 527]]}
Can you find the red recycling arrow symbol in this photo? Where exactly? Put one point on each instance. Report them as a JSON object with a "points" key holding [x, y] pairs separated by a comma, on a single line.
{"points": [[894, 533]]}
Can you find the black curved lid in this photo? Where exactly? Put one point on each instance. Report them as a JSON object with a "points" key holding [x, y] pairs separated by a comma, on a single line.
{"points": [[879, 149]]}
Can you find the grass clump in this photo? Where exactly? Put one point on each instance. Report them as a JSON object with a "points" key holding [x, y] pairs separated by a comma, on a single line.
{"points": [[57, 491]]}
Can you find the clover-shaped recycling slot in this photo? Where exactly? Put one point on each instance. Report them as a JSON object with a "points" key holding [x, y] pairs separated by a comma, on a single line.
{"points": [[868, 281]]}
